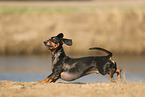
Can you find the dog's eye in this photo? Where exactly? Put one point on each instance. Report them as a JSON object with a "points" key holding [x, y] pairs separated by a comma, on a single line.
{"points": [[54, 40]]}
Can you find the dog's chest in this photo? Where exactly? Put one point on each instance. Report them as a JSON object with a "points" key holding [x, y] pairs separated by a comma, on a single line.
{"points": [[56, 58], [69, 76]]}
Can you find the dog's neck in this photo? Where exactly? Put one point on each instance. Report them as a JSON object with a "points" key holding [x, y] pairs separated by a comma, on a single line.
{"points": [[58, 55]]}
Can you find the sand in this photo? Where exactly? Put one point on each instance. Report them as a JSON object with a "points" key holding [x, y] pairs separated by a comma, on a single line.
{"points": [[65, 89]]}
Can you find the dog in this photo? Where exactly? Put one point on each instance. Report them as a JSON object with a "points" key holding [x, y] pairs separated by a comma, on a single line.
{"points": [[70, 69]]}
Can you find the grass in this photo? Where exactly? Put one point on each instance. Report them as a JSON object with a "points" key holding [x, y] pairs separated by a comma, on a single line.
{"points": [[9, 10], [119, 29]]}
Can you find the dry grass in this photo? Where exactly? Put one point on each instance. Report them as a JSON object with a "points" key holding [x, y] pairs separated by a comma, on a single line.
{"points": [[119, 29], [63, 89]]}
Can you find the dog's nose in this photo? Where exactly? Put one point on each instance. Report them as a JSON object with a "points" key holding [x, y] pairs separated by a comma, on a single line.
{"points": [[45, 42]]}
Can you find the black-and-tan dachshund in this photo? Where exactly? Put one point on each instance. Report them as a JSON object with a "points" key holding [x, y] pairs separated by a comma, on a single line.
{"points": [[70, 69]]}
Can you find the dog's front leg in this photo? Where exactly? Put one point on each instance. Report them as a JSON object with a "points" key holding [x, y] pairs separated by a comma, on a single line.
{"points": [[54, 76], [51, 78], [45, 80]]}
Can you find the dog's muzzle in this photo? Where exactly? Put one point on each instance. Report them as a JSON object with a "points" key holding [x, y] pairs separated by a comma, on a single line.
{"points": [[45, 43], [48, 44]]}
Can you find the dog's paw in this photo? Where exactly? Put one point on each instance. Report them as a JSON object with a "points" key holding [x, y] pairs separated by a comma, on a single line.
{"points": [[41, 81]]}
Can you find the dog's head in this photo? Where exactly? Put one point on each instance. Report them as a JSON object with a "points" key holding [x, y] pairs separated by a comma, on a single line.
{"points": [[56, 41]]}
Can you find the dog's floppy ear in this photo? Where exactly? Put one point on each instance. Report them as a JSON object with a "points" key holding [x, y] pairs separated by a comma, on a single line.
{"points": [[67, 41], [60, 35]]}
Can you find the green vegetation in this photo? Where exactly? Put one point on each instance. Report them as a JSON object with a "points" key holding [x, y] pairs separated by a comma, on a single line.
{"points": [[11, 10], [119, 29]]}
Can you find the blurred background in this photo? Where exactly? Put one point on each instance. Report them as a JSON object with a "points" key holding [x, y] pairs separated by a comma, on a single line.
{"points": [[117, 25]]}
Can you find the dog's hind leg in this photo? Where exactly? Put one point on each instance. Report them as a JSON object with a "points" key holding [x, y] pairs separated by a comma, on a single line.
{"points": [[118, 71], [111, 73]]}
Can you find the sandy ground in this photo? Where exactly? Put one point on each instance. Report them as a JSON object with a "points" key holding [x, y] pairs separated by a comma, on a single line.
{"points": [[65, 89]]}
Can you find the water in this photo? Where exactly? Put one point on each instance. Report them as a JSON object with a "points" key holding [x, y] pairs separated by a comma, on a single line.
{"points": [[35, 68]]}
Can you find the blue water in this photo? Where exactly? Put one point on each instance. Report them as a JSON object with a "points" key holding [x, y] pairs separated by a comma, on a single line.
{"points": [[35, 68]]}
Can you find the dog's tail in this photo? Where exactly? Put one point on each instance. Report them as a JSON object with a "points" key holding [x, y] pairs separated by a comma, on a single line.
{"points": [[98, 48]]}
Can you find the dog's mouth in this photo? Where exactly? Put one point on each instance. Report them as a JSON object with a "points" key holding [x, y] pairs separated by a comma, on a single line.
{"points": [[50, 47]]}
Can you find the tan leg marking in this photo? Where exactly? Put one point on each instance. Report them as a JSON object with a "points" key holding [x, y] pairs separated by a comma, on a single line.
{"points": [[118, 71], [44, 81]]}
